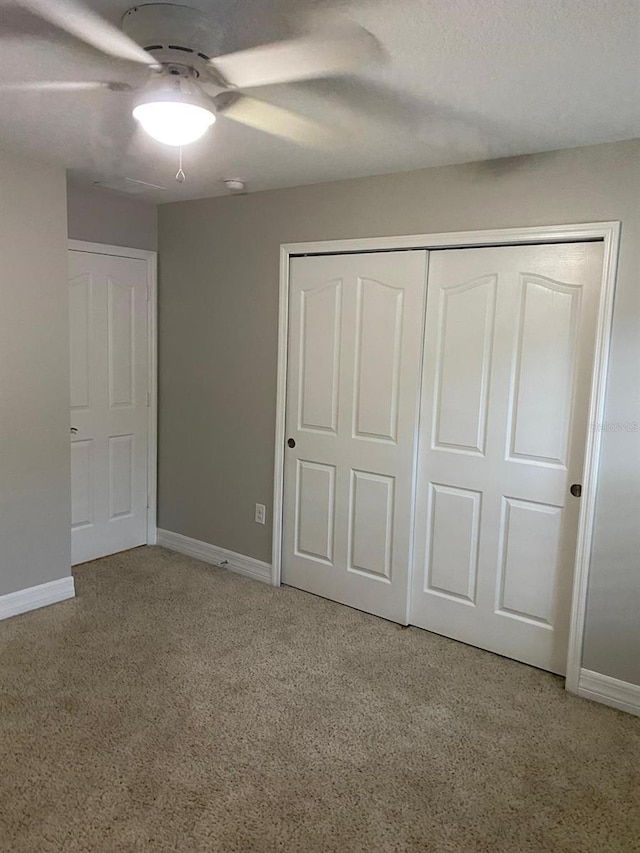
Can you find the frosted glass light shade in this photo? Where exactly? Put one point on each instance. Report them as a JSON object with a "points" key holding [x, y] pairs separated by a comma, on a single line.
{"points": [[174, 122]]}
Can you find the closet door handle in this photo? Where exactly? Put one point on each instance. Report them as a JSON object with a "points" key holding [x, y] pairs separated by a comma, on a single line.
{"points": [[74, 429], [291, 442]]}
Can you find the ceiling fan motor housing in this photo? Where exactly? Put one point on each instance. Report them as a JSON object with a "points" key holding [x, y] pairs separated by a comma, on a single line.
{"points": [[174, 34], [173, 83]]}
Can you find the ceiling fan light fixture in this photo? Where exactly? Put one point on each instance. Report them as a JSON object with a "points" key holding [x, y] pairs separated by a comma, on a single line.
{"points": [[173, 110], [174, 122]]}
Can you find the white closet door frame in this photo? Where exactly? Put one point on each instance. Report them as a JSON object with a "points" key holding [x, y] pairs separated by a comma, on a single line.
{"points": [[151, 259], [609, 234]]}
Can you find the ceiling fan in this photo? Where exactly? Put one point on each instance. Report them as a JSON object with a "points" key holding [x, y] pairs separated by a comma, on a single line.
{"points": [[189, 84]]}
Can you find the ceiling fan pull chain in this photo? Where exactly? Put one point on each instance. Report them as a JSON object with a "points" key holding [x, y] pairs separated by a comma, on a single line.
{"points": [[180, 175]]}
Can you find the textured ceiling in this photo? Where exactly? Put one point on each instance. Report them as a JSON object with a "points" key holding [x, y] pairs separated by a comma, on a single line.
{"points": [[463, 80]]}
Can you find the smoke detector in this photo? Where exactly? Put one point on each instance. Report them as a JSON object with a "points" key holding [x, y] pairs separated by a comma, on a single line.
{"points": [[234, 185]]}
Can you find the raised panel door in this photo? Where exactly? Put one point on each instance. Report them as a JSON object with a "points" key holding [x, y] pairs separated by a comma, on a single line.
{"points": [[355, 336], [509, 342], [109, 398]]}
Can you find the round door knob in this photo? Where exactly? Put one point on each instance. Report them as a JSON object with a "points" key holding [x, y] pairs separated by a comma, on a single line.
{"points": [[576, 490], [291, 442]]}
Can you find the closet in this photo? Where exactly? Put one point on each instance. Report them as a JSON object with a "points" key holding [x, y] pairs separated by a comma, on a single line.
{"points": [[436, 416]]}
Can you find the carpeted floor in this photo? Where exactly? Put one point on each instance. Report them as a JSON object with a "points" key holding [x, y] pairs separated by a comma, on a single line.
{"points": [[175, 706]]}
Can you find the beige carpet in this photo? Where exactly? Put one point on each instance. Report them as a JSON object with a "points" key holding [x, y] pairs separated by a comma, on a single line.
{"points": [[175, 706]]}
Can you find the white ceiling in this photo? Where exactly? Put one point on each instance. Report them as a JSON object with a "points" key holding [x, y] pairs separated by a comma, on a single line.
{"points": [[463, 80]]}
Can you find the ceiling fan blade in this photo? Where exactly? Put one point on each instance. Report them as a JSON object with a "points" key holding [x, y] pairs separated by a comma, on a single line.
{"points": [[275, 120], [360, 105], [72, 16], [299, 59], [64, 86]]}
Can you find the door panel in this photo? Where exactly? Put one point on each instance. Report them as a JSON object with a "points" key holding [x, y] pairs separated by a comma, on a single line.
{"points": [[120, 476], [315, 511], [355, 331], [544, 367], [377, 373], [80, 340], [507, 369], [371, 524], [81, 499], [465, 330], [120, 323], [454, 525], [530, 540], [109, 395], [320, 357]]}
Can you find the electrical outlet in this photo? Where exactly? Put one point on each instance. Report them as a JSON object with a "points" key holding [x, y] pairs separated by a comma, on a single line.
{"points": [[261, 513]]}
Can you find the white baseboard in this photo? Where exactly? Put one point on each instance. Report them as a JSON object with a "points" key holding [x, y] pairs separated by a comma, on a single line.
{"points": [[36, 596], [247, 566], [609, 691]]}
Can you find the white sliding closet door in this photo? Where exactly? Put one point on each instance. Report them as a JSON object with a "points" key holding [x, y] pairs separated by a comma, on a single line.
{"points": [[506, 382], [109, 399], [355, 337]]}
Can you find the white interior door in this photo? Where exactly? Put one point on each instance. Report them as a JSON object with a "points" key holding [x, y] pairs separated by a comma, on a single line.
{"points": [[355, 332], [507, 372], [109, 399]]}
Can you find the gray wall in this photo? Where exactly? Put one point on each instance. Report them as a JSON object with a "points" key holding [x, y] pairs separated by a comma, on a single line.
{"points": [[101, 216], [35, 511], [218, 332]]}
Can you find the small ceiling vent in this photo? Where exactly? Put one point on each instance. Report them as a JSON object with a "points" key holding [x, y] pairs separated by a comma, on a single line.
{"points": [[128, 185]]}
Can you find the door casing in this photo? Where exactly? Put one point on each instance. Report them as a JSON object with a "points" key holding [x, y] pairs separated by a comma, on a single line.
{"points": [[609, 234], [151, 259]]}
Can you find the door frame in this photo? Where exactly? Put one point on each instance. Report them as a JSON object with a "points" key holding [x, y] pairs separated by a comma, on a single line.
{"points": [[151, 260], [609, 234]]}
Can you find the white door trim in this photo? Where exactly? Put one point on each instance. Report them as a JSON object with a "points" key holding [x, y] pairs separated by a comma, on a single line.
{"points": [[151, 259], [609, 233]]}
